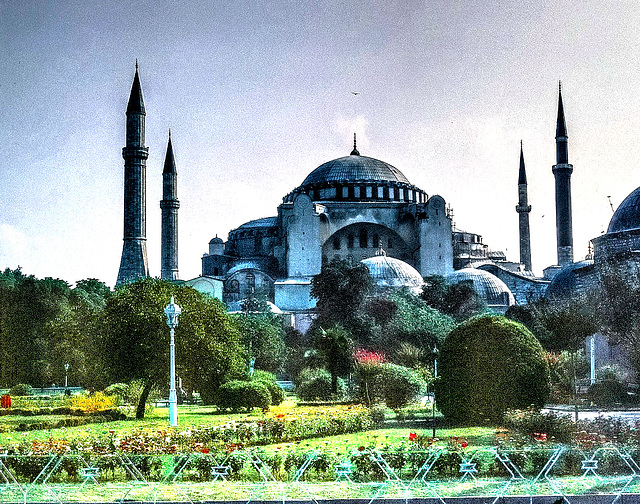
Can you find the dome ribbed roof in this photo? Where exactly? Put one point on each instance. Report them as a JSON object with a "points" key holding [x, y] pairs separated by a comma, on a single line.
{"points": [[354, 168], [627, 215], [567, 281], [391, 272], [489, 287]]}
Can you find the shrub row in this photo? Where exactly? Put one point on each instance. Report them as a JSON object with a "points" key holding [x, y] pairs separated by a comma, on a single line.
{"points": [[74, 421], [61, 410]]}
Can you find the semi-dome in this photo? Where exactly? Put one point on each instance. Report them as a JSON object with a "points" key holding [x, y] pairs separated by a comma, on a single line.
{"points": [[489, 287], [391, 272], [569, 280], [627, 215]]}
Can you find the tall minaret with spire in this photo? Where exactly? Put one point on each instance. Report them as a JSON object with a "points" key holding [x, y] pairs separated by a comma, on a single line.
{"points": [[169, 206], [523, 209], [562, 171], [134, 263]]}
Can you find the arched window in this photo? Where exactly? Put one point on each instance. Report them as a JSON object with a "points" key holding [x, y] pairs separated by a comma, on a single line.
{"points": [[375, 241], [350, 240], [336, 243], [363, 238], [233, 286]]}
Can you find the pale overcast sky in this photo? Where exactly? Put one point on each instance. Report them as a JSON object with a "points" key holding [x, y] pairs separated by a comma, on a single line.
{"points": [[258, 93]]}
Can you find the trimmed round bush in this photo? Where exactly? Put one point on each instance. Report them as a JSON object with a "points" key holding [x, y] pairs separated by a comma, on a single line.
{"points": [[269, 380], [399, 385], [487, 365], [21, 389], [392, 384], [237, 394], [315, 385]]}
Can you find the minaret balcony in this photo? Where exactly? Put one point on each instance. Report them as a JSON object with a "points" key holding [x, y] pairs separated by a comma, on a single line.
{"points": [[135, 152]]}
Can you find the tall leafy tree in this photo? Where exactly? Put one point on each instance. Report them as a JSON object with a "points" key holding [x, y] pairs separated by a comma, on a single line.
{"points": [[459, 301], [337, 350], [341, 290], [263, 338], [208, 347]]}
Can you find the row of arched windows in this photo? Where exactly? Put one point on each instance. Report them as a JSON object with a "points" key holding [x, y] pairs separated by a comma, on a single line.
{"points": [[363, 240]]}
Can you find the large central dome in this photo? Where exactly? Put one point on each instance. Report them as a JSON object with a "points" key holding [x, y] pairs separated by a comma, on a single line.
{"points": [[358, 178], [355, 168]]}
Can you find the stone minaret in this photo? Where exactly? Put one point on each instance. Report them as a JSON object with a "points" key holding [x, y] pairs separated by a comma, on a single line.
{"points": [[134, 250], [169, 205], [562, 171], [523, 209]]}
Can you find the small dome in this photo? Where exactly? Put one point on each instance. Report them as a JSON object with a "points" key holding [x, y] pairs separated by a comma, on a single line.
{"points": [[216, 240], [489, 287], [354, 168], [391, 272], [627, 215], [568, 280], [245, 265]]}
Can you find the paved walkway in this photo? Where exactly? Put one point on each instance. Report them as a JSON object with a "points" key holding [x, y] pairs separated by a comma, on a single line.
{"points": [[631, 415]]}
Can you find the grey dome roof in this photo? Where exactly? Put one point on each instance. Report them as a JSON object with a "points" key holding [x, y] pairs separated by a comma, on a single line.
{"points": [[567, 281], [354, 168], [245, 265], [216, 240], [260, 223], [489, 287], [392, 272], [627, 215]]}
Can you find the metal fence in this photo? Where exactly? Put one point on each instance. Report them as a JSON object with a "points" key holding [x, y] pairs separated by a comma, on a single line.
{"points": [[608, 474]]}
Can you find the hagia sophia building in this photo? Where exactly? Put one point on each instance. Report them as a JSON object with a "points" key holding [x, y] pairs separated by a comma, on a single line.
{"points": [[361, 209]]}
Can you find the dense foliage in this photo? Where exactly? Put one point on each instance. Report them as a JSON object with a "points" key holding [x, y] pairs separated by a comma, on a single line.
{"points": [[487, 365], [208, 347], [45, 324]]}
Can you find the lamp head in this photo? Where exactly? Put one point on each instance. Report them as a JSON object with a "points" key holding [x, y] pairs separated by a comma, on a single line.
{"points": [[172, 311]]}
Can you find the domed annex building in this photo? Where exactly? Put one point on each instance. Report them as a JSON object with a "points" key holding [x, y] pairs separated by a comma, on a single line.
{"points": [[347, 208]]}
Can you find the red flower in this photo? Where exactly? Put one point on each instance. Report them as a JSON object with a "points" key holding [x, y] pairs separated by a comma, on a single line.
{"points": [[204, 450], [412, 436], [464, 444], [360, 448]]}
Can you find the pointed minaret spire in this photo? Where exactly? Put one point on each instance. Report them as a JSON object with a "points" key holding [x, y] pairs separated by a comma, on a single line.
{"points": [[133, 263], [169, 159], [523, 209], [354, 152], [522, 175], [169, 206], [136, 101], [562, 172]]}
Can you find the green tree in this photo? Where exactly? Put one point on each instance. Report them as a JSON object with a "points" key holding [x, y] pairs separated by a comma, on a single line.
{"points": [[416, 323], [76, 337], [616, 302], [263, 338], [341, 290], [29, 307], [487, 365], [208, 347], [459, 301], [567, 323], [337, 348]]}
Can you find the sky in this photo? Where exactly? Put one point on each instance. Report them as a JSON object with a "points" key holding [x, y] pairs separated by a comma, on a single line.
{"points": [[257, 94]]}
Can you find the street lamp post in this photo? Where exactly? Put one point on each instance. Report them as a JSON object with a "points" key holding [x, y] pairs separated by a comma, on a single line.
{"points": [[433, 404], [66, 382], [172, 311]]}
